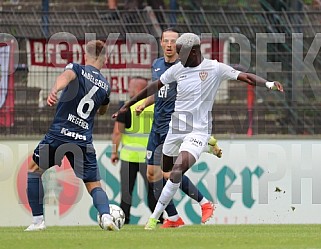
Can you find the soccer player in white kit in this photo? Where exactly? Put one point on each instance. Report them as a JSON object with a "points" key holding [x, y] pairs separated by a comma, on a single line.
{"points": [[198, 80]]}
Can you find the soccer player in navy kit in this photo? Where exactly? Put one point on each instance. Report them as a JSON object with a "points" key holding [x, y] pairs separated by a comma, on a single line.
{"points": [[164, 107], [85, 91]]}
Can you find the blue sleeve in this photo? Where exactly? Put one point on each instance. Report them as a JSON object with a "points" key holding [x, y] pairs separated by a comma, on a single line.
{"points": [[154, 74], [106, 101]]}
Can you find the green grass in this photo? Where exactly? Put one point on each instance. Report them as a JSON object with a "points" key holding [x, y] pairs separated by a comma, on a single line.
{"points": [[194, 237]]}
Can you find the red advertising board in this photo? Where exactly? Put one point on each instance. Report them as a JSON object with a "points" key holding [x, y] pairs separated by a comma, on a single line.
{"points": [[125, 59], [6, 86]]}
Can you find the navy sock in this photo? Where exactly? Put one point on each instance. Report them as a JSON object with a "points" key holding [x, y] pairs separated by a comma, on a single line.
{"points": [[35, 193], [171, 209], [157, 189], [100, 200], [190, 189]]}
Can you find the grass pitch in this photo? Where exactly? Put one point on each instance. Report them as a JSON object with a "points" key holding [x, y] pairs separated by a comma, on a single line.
{"points": [[194, 237]]}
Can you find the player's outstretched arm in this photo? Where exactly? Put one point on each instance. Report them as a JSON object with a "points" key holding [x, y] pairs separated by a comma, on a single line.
{"points": [[61, 82], [147, 91], [255, 80], [148, 101]]}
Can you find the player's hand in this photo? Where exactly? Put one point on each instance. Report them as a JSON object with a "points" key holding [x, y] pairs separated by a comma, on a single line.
{"points": [[279, 86], [123, 109], [52, 97], [139, 109], [114, 158]]}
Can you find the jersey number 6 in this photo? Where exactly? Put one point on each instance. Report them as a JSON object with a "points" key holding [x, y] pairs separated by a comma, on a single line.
{"points": [[87, 99]]}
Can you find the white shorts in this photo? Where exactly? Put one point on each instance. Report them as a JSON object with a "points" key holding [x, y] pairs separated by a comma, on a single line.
{"points": [[193, 143]]}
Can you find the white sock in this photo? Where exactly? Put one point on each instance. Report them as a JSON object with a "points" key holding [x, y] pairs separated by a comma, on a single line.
{"points": [[203, 201], [37, 219], [167, 194]]}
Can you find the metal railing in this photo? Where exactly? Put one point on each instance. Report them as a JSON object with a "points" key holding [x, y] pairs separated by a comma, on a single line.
{"points": [[282, 115]]}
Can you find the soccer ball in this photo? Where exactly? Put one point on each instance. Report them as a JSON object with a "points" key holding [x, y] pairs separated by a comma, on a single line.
{"points": [[118, 216]]}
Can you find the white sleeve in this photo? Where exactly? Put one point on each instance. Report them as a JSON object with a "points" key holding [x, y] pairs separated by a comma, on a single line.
{"points": [[168, 76], [227, 72]]}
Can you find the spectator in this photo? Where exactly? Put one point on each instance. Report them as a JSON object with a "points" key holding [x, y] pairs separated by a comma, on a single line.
{"points": [[132, 131], [136, 4]]}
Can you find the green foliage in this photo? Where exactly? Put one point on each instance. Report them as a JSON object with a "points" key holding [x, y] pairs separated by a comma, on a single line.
{"points": [[308, 2]]}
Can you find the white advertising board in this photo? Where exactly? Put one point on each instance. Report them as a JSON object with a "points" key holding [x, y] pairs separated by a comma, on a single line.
{"points": [[255, 182]]}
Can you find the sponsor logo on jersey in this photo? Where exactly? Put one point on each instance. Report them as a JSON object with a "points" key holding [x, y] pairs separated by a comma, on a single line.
{"points": [[162, 93], [72, 134], [182, 77], [157, 69], [203, 75], [196, 142], [149, 154]]}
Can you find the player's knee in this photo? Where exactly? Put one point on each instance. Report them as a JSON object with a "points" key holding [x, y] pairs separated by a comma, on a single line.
{"points": [[34, 168], [154, 173], [166, 175], [176, 175], [150, 177], [92, 185]]}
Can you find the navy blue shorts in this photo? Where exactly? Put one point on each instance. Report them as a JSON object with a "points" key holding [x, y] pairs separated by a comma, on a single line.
{"points": [[50, 152], [155, 147]]}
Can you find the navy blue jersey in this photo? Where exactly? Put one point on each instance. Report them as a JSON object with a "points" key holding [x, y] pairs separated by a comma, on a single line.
{"points": [[78, 104], [164, 98]]}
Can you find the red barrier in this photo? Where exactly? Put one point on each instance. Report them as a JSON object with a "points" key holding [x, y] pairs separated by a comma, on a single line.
{"points": [[250, 106]]}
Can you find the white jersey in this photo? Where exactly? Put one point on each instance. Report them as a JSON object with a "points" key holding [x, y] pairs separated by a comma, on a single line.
{"points": [[196, 90]]}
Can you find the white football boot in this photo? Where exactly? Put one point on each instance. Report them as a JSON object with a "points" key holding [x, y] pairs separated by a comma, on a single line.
{"points": [[107, 223], [36, 227]]}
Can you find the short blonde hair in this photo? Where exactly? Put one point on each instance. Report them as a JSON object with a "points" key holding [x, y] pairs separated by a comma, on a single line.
{"points": [[96, 49]]}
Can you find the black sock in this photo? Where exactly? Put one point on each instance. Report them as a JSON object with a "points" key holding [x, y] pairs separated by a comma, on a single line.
{"points": [[157, 188], [190, 189]]}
